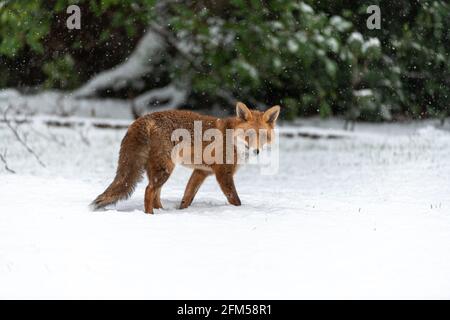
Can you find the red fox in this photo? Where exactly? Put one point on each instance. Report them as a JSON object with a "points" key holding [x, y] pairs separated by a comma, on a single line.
{"points": [[148, 146]]}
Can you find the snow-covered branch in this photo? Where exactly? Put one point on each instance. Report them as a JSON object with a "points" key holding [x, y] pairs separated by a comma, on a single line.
{"points": [[137, 65], [140, 63], [165, 98]]}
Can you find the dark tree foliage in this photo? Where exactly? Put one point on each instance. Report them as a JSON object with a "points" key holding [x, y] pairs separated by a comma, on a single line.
{"points": [[312, 57]]}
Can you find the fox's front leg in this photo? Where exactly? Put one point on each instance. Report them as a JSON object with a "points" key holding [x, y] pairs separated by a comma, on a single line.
{"points": [[196, 180], [224, 176]]}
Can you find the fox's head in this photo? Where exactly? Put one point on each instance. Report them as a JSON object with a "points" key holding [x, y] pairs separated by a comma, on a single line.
{"points": [[255, 128]]}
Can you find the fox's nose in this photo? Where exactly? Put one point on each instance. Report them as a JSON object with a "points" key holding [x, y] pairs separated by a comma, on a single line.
{"points": [[256, 151]]}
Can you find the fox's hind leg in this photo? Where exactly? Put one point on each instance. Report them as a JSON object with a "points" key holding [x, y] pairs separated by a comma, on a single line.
{"points": [[196, 180], [157, 201], [158, 173], [148, 200]]}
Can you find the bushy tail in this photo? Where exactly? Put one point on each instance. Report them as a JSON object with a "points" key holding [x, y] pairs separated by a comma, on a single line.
{"points": [[132, 159]]}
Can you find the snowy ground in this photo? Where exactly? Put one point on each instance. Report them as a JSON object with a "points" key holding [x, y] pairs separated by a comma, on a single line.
{"points": [[366, 216]]}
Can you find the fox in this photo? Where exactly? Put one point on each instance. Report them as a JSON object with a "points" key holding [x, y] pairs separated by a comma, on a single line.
{"points": [[148, 147]]}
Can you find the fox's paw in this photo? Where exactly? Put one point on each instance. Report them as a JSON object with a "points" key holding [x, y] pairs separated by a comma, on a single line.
{"points": [[235, 201], [184, 204], [95, 207]]}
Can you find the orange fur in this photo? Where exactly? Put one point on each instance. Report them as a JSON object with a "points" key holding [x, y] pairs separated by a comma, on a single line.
{"points": [[147, 146]]}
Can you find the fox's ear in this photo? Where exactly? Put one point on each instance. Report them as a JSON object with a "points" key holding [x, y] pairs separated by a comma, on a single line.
{"points": [[243, 112], [271, 115]]}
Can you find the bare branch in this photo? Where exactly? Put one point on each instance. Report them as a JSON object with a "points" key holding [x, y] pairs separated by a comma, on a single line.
{"points": [[19, 138], [50, 137], [82, 134], [3, 159]]}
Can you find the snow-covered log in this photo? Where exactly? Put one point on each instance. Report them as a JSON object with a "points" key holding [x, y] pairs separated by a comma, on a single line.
{"points": [[64, 105]]}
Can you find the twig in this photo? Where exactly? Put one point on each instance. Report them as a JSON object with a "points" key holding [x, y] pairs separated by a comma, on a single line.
{"points": [[19, 138], [50, 137], [3, 159], [82, 134]]}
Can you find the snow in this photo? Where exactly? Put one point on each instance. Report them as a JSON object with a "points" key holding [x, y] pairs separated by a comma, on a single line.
{"points": [[371, 43], [64, 104], [363, 215], [340, 24], [355, 36], [363, 93], [306, 8], [68, 106], [251, 70], [333, 44], [292, 46], [175, 95]]}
